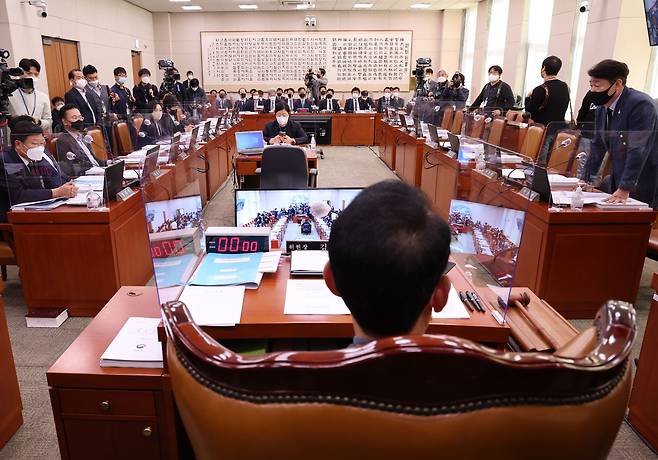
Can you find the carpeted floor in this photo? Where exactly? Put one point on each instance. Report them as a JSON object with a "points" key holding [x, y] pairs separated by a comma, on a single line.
{"points": [[36, 349]]}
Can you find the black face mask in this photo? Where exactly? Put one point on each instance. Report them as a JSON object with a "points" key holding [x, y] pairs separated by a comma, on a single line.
{"points": [[330, 96], [222, 96], [173, 112], [323, 93], [242, 95], [456, 82], [279, 94], [600, 98], [26, 83], [78, 125], [289, 95], [302, 95]]}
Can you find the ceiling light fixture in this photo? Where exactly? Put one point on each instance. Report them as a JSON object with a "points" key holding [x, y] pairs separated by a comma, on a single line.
{"points": [[421, 6], [191, 7], [363, 5], [248, 7]]}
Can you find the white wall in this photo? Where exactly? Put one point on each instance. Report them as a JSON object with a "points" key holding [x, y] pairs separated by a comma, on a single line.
{"points": [[105, 29], [178, 34]]}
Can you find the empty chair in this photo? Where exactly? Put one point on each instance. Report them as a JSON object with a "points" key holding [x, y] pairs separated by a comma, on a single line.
{"points": [[563, 151], [511, 115], [137, 123], [496, 130], [533, 141], [475, 124], [446, 122], [98, 144], [416, 395], [457, 120], [285, 167], [7, 249], [125, 143]]}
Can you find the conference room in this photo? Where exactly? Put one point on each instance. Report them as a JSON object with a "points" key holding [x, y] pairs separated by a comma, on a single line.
{"points": [[329, 229]]}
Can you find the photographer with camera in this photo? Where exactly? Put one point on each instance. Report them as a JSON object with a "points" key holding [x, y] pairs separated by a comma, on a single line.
{"points": [[171, 82], [28, 100], [144, 92], [314, 81]]}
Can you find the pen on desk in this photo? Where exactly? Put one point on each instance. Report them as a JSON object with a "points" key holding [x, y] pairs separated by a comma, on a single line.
{"points": [[477, 301], [469, 296], [462, 296]]}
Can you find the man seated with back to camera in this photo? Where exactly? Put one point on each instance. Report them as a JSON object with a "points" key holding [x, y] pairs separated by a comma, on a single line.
{"points": [[387, 253], [74, 149], [27, 171], [283, 130]]}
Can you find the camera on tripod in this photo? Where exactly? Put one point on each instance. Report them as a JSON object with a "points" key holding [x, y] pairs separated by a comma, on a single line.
{"points": [[419, 74], [308, 78], [171, 75]]}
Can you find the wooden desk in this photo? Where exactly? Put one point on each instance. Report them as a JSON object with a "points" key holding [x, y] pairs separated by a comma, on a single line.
{"points": [[246, 165], [402, 152], [574, 260], [643, 406], [11, 417]]}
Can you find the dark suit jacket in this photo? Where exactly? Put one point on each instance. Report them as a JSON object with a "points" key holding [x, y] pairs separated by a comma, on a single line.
{"points": [[349, 105], [305, 103], [267, 105], [143, 94], [241, 104], [398, 102], [225, 103], [170, 126], [74, 97], [250, 105], [292, 129], [381, 104], [76, 164], [632, 143], [121, 106], [334, 103], [150, 132], [20, 184]]}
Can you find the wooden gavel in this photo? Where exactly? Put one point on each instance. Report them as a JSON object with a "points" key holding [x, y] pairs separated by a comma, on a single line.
{"points": [[521, 301]]}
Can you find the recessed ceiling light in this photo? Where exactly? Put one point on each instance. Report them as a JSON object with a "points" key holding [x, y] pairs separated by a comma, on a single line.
{"points": [[191, 7], [363, 5], [305, 6], [421, 5], [248, 7], [180, 1]]}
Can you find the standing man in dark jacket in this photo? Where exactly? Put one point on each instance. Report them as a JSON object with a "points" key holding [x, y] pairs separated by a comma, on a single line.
{"points": [[79, 95]]}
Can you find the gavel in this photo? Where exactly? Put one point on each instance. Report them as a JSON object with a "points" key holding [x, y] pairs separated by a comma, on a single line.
{"points": [[521, 300]]}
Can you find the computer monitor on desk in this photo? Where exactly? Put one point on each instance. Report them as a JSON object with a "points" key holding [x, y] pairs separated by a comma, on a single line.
{"points": [[205, 134], [174, 148], [249, 142], [193, 137], [150, 164], [113, 181]]}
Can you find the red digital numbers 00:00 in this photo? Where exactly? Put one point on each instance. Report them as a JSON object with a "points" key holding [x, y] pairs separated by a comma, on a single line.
{"points": [[235, 244], [167, 248]]}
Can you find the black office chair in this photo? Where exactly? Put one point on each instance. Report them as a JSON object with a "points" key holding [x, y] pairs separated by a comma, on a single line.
{"points": [[286, 167]]}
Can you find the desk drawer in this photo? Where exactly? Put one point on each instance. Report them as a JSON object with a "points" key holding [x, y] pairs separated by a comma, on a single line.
{"points": [[107, 402]]}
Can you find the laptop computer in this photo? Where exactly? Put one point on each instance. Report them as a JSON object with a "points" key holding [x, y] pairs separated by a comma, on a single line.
{"points": [[249, 142], [193, 137], [113, 181], [150, 164], [174, 149], [434, 134], [454, 143], [403, 120], [205, 134]]}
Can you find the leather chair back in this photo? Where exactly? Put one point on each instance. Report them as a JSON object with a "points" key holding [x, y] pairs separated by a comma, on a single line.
{"points": [[123, 136], [563, 151], [457, 120], [137, 123], [496, 130], [511, 115], [446, 122], [284, 167], [409, 397], [99, 142], [475, 124], [51, 144], [533, 141]]}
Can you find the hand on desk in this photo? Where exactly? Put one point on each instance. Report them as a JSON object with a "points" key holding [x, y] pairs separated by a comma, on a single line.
{"points": [[279, 139], [67, 190], [620, 196]]}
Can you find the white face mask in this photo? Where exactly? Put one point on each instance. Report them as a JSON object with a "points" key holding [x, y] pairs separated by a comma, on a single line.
{"points": [[146, 80], [282, 119], [194, 88], [442, 79], [93, 83], [355, 95], [36, 153], [396, 94], [59, 106], [189, 77], [156, 115], [122, 80], [80, 83], [387, 95], [494, 77], [255, 96]]}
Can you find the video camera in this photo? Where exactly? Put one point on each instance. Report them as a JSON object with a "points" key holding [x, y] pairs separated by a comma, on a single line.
{"points": [[171, 75], [8, 84], [308, 78], [419, 74]]}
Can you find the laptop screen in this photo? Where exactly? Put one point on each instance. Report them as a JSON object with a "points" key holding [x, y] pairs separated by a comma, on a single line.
{"points": [[249, 140]]}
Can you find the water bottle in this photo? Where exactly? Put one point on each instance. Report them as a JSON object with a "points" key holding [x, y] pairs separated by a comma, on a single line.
{"points": [[480, 164], [313, 145], [94, 200], [577, 200]]}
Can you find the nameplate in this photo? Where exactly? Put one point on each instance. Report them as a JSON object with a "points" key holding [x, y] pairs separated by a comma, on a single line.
{"points": [[491, 174], [124, 194], [183, 156], [451, 154], [529, 194], [303, 245], [157, 173]]}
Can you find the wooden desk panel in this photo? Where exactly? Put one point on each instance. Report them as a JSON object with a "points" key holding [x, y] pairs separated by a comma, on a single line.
{"points": [[388, 144], [353, 129], [440, 179], [246, 166], [643, 406], [11, 417]]}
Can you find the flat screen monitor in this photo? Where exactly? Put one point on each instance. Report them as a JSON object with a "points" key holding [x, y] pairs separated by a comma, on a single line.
{"points": [[113, 180], [194, 136], [651, 14], [206, 131], [174, 214], [293, 210], [249, 142], [174, 148], [150, 163]]}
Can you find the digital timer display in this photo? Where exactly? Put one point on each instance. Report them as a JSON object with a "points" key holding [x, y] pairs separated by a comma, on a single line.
{"points": [[236, 244], [170, 248]]}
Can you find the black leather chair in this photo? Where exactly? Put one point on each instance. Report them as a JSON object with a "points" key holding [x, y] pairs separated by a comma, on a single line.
{"points": [[285, 167]]}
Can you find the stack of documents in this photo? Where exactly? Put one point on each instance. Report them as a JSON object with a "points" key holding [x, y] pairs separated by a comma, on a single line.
{"points": [[312, 297], [136, 345], [510, 158], [559, 181], [43, 205], [454, 308], [269, 263], [563, 198], [310, 263], [214, 305], [229, 270], [89, 183]]}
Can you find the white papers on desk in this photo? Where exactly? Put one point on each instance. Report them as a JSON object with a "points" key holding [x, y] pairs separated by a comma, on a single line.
{"points": [[312, 297], [90, 182], [80, 199], [561, 197], [454, 308], [308, 262], [558, 180], [214, 305], [130, 174], [95, 171], [509, 158], [509, 173], [269, 263], [136, 345]]}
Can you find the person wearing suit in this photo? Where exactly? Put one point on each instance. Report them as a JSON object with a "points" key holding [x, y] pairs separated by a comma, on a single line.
{"points": [[269, 102], [396, 100], [28, 172], [75, 153], [430, 86], [355, 102], [254, 103], [385, 101], [496, 96], [283, 130], [95, 88], [625, 123], [79, 95], [144, 91], [366, 101], [186, 83], [223, 102], [171, 116], [242, 102], [152, 129], [329, 103], [303, 102]]}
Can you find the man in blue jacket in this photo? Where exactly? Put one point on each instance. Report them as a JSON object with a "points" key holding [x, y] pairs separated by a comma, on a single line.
{"points": [[625, 126]]}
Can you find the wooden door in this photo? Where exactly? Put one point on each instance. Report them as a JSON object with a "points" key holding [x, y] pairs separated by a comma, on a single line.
{"points": [[137, 64], [60, 57]]}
